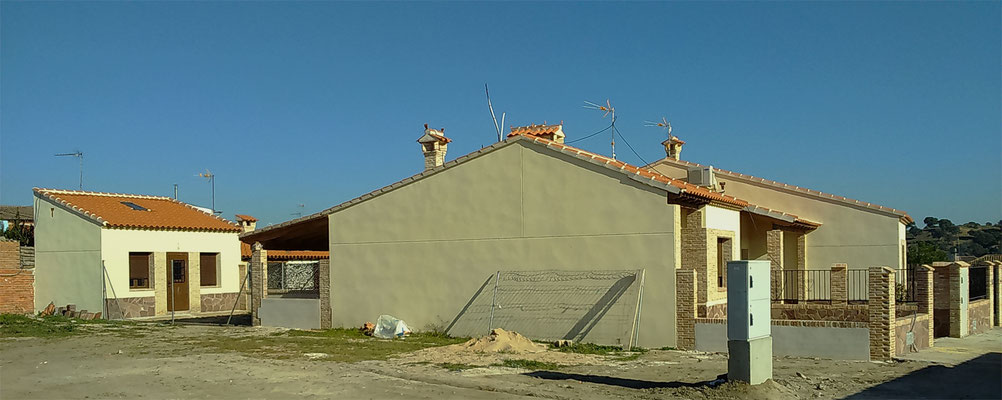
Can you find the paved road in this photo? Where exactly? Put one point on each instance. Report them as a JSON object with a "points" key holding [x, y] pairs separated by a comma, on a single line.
{"points": [[968, 368]]}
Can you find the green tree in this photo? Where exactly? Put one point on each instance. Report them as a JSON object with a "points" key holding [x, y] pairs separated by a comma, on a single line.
{"points": [[925, 253]]}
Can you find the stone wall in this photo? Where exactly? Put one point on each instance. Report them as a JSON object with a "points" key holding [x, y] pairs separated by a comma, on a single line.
{"points": [[17, 279], [920, 332], [979, 316], [821, 312], [216, 302], [130, 307]]}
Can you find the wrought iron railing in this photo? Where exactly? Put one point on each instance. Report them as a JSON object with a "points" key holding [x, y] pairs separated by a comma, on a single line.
{"points": [[801, 285]]}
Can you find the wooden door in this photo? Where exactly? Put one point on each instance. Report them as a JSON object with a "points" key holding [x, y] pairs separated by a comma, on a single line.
{"points": [[177, 285]]}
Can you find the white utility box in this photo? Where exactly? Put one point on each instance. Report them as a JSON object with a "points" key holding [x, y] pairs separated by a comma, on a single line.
{"points": [[749, 311]]}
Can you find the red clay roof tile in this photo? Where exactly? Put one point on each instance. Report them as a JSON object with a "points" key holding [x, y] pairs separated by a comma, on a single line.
{"points": [[155, 212]]}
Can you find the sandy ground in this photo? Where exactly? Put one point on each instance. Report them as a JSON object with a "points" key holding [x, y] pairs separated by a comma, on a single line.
{"points": [[172, 363]]}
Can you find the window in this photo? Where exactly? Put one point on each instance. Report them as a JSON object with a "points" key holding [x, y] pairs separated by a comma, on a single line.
{"points": [[723, 256], [135, 206], [140, 265], [209, 269]]}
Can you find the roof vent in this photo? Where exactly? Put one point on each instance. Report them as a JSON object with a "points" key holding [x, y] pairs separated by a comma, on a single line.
{"points": [[703, 176]]}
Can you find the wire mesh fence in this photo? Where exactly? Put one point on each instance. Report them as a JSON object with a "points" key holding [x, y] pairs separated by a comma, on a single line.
{"points": [[601, 306], [294, 277]]}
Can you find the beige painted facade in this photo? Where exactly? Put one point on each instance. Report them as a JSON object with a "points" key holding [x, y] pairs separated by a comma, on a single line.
{"points": [[70, 251], [856, 235], [421, 251], [67, 258]]}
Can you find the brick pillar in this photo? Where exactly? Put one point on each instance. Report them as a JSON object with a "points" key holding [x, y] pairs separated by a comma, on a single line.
{"points": [[194, 282], [924, 277], [957, 302], [991, 292], [259, 280], [160, 283], [881, 313], [839, 283], [694, 249], [325, 294], [774, 245], [802, 264], [685, 302], [997, 284]]}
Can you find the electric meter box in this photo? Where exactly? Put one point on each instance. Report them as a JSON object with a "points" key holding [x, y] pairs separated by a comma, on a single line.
{"points": [[749, 311]]}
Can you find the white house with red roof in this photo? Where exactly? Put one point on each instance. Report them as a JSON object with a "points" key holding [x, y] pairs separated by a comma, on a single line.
{"points": [[132, 256]]}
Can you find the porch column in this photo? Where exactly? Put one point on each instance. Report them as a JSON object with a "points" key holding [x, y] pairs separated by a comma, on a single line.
{"points": [[802, 263], [881, 313], [160, 283], [259, 280], [325, 294], [774, 245], [686, 286], [959, 298], [839, 283], [996, 286], [194, 282]]}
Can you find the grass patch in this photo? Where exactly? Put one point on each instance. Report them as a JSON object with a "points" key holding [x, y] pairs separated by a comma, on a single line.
{"points": [[343, 345], [14, 325], [456, 367], [529, 364], [592, 348], [627, 357]]}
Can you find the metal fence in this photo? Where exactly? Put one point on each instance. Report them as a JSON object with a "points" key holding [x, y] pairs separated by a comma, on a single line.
{"points": [[802, 285], [599, 306], [977, 281], [857, 285], [294, 277]]}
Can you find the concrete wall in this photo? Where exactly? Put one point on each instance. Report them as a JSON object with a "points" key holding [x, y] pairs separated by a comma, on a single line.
{"points": [[290, 313], [837, 343], [854, 235], [421, 252], [116, 244], [67, 258]]}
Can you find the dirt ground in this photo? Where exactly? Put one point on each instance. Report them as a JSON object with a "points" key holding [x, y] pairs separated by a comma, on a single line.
{"points": [[158, 361]]}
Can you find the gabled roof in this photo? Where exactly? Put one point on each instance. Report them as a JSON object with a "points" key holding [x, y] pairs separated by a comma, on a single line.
{"points": [[682, 189], [116, 210], [903, 216]]}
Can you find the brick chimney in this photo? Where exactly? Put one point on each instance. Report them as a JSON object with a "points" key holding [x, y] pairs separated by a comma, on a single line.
{"points": [[247, 222], [433, 145], [673, 147]]}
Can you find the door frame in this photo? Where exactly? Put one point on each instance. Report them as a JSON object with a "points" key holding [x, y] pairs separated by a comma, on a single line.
{"points": [[178, 292]]}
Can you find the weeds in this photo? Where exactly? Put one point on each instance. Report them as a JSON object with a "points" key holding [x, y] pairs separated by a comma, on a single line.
{"points": [[456, 367], [529, 364]]}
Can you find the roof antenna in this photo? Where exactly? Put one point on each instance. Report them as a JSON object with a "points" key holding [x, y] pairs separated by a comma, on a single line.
{"points": [[493, 117], [664, 124], [212, 182], [79, 155], [609, 110]]}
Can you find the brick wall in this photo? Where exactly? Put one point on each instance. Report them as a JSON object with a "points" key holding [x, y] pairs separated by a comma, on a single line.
{"points": [[881, 313], [17, 284]]}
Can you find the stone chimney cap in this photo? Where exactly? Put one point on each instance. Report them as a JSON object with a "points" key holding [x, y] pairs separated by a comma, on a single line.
{"points": [[673, 140], [433, 135]]}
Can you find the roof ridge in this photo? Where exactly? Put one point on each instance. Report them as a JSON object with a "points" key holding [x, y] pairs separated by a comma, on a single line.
{"points": [[104, 194], [903, 214]]}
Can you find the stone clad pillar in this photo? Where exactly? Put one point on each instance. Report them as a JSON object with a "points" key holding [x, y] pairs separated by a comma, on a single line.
{"points": [[259, 280], [924, 297], [160, 283], [839, 284], [802, 264], [774, 246], [325, 294], [194, 282], [881, 313], [996, 267], [685, 302]]}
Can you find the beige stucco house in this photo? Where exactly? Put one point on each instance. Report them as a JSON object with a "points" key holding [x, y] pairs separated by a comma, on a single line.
{"points": [[420, 249], [132, 256]]}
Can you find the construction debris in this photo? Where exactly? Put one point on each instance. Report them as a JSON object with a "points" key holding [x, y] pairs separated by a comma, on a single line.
{"points": [[367, 328], [389, 327], [70, 311], [49, 309], [500, 340]]}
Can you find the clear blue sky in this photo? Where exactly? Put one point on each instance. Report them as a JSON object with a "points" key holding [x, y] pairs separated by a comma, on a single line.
{"points": [[316, 103]]}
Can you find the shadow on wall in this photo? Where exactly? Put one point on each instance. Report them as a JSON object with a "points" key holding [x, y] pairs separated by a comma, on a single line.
{"points": [[584, 306], [974, 379]]}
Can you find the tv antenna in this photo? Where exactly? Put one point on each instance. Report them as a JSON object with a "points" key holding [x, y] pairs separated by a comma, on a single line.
{"points": [[493, 117], [212, 182], [664, 124], [609, 110], [299, 214], [79, 155]]}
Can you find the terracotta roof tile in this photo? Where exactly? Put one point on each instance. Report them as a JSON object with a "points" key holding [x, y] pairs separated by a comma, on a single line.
{"points": [[535, 130], [245, 217], [285, 255], [154, 212], [901, 214]]}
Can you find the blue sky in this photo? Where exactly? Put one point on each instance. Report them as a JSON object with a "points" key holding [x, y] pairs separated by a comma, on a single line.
{"points": [[316, 103]]}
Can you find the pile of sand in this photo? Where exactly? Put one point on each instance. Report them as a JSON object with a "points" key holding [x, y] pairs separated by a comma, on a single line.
{"points": [[500, 340], [494, 348]]}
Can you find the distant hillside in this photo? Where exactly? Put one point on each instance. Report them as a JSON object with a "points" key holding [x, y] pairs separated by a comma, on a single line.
{"points": [[938, 239]]}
